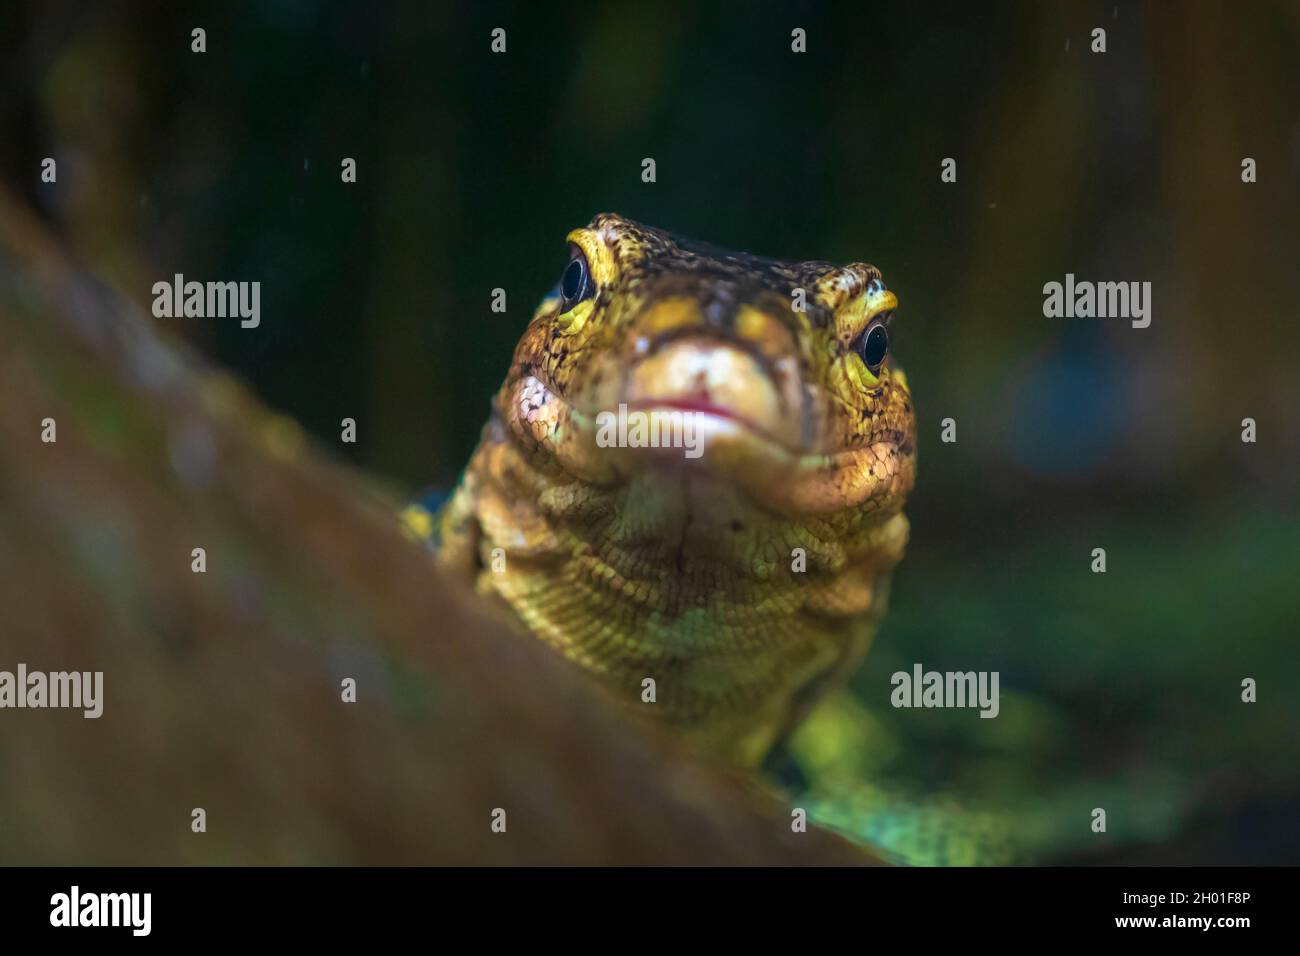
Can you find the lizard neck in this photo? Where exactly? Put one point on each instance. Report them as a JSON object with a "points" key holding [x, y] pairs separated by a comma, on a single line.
{"points": [[731, 611]]}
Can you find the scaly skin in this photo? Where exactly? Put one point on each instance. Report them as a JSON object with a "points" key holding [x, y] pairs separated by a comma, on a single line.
{"points": [[642, 563]]}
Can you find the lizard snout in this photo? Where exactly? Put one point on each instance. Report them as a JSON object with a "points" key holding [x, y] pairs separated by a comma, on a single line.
{"points": [[730, 391]]}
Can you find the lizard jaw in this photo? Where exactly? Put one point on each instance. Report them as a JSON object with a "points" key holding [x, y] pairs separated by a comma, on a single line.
{"points": [[877, 475]]}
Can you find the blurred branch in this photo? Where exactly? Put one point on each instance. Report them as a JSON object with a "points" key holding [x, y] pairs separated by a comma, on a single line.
{"points": [[222, 689]]}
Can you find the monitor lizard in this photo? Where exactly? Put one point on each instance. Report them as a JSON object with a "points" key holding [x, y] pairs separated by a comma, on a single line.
{"points": [[725, 592]]}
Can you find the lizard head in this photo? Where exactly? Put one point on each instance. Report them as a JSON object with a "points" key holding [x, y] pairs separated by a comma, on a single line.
{"points": [[656, 353]]}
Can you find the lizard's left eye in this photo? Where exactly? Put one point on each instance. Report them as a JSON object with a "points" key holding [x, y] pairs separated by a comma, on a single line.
{"points": [[576, 284]]}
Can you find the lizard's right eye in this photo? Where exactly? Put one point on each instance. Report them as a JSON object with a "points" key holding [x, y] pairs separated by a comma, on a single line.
{"points": [[576, 284], [874, 346]]}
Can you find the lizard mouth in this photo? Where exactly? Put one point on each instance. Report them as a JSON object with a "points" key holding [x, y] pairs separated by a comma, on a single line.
{"points": [[610, 446], [702, 408]]}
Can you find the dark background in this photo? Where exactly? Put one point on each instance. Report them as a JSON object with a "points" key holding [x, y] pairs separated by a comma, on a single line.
{"points": [[1120, 690]]}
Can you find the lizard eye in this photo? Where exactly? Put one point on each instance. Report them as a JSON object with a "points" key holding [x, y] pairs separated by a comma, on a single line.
{"points": [[576, 284], [874, 346]]}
